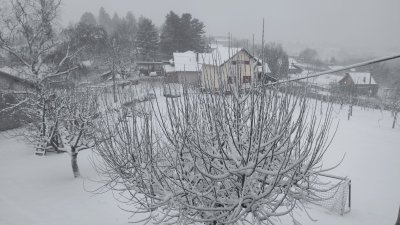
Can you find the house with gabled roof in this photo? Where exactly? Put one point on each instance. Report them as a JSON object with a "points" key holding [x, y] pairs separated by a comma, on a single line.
{"points": [[362, 83], [227, 66]]}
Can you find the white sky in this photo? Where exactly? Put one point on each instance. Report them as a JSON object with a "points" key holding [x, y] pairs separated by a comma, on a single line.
{"points": [[348, 23]]}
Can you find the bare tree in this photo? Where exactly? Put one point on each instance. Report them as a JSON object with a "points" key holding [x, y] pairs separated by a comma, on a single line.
{"points": [[66, 126], [28, 34], [213, 158], [81, 109]]}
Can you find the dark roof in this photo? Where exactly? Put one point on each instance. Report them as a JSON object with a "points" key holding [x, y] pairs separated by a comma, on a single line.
{"points": [[150, 63], [18, 79]]}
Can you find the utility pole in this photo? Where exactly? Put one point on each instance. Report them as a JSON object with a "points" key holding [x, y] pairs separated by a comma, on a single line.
{"points": [[253, 45], [113, 71], [262, 49]]}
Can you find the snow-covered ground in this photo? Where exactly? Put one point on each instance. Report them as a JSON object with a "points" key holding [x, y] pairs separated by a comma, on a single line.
{"points": [[37, 190], [372, 162], [42, 190]]}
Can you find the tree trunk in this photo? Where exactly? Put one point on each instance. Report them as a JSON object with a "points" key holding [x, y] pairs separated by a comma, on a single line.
{"points": [[350, 113], [74, 162]]}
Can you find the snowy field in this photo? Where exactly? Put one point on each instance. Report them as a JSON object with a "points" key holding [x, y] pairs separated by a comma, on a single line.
{"points": [[42, 191]]}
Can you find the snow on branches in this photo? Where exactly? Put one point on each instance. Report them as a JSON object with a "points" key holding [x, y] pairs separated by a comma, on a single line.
{"points": [[212, 157]]}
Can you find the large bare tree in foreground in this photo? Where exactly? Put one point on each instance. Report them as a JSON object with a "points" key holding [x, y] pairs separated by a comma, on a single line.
{"points": [[40, 53], [251, 156], [28, 35]]}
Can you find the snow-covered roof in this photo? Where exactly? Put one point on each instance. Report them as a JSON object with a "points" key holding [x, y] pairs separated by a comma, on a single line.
{"points": [[87, 63], [191, 61], [327, 79], [169, 68], [19, 72], [305, 66], [186, 61], [362, 78], [218, 56], [322, 81], [335, 67], [9, 70]]}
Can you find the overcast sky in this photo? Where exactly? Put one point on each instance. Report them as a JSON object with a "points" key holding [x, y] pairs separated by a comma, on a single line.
{"points": [[352, 23]]}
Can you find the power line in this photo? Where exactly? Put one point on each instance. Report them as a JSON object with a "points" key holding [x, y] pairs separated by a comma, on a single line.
{"points": [[369, 62]]}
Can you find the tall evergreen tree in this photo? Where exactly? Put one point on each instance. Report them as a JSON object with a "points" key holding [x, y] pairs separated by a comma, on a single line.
{"points": [[170, 34], [88, 18], [181, 34], [115, 23], [186, 32], [146, 39], [277, 59], [131, 23], [105, 20], [197, 35]]}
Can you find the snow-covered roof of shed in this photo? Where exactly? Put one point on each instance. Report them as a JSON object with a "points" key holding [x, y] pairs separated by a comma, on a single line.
{"points": [[169, 68], [186, 61], [327, 79], [362, 78]]}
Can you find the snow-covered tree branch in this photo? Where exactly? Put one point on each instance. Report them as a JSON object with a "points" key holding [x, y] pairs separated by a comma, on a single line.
{"points": [[215, 158]]}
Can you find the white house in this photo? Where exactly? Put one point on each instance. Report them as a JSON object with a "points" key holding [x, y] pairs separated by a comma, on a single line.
{"points": [[227, 66]]}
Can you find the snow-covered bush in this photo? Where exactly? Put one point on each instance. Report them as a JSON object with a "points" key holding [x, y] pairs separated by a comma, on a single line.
{"points": [[214, 158]]}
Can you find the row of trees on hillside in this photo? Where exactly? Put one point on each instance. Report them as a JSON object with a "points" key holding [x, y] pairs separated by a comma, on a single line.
{"points": [[130, 38], [179, 33], [111, 25]]}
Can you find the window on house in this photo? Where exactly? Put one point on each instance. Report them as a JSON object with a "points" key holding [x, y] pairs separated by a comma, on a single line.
{"points": [[233, 62], [246, 62], [246, 79]]}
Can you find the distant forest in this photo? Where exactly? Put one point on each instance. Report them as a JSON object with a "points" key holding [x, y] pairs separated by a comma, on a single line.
{"points": [[140, 36]]}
